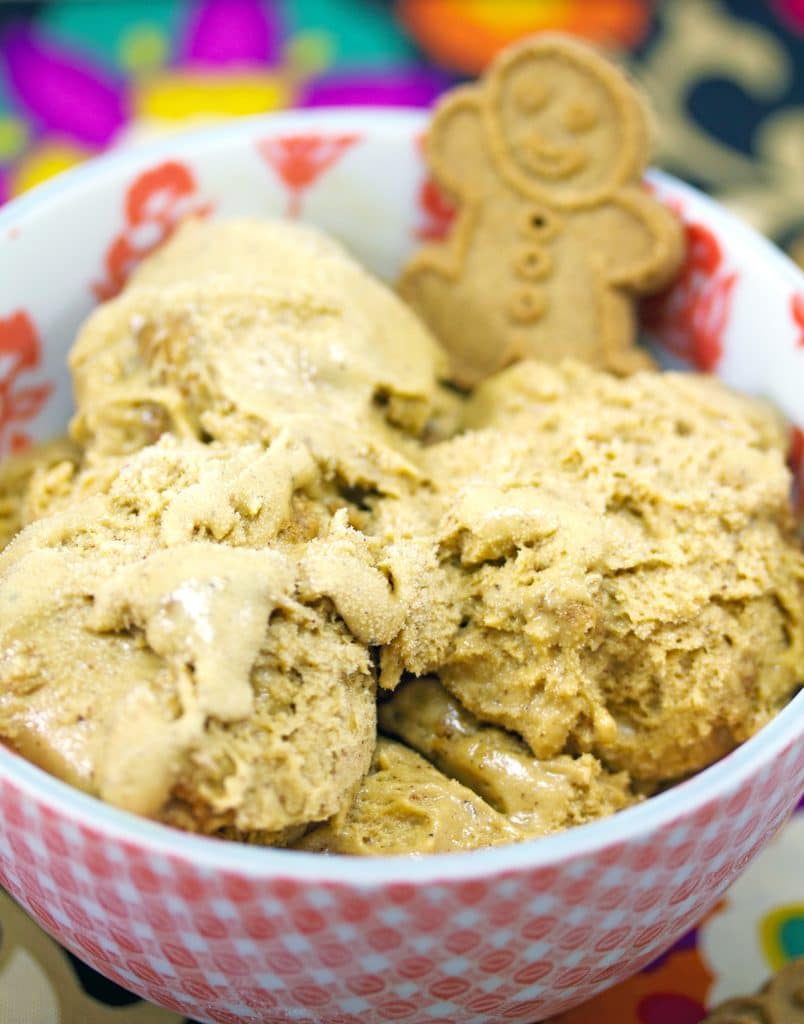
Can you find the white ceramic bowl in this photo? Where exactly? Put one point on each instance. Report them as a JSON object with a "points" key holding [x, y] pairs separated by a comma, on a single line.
{"points": [[223, 932]]}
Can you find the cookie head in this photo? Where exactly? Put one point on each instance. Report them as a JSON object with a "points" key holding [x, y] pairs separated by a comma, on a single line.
{"points": [[564, 123]]}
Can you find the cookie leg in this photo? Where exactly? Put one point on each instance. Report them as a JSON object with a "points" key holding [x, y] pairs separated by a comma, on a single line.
{"points": [[446, 308]]}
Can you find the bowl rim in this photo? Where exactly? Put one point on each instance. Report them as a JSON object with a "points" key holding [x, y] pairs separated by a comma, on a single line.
{"points": [[380, 121], [74, 807]]}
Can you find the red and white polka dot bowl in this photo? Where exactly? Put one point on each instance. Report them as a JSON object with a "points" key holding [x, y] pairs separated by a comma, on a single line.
{"points": [[222, 932]]}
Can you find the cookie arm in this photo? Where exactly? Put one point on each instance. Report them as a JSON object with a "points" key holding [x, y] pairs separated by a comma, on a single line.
{"points": [[456, 156], [639, 242], [455, 145]]}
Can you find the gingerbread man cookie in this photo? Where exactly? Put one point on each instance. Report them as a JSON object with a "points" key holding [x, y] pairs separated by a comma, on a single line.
{"points": [[781, 1001], [555, 234]]}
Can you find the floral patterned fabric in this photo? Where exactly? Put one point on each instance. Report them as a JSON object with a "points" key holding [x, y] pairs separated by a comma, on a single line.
{"points": [[727, 81], [726, 76]]}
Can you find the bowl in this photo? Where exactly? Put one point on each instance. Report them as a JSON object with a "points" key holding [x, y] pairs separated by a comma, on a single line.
{"points": [[225, 932]]}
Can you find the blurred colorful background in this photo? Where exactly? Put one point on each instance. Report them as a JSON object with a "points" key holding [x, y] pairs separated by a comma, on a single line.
{"points": [[78, 76], [727, 82]]}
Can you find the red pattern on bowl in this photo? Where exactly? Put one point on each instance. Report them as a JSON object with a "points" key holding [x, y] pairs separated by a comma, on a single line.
{"points": [[797, 310], [510, 944], [155, 204], [300, 160], [690, 318], [228, 933], [20, 354]]}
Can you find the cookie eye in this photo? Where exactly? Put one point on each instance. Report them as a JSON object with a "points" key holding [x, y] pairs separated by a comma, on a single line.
{"points": [[531, 94], [580, 116]]}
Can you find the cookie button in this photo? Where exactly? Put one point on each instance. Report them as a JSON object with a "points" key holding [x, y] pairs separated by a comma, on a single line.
{"points": [[539, 223], [532, 263], [527, 306]]}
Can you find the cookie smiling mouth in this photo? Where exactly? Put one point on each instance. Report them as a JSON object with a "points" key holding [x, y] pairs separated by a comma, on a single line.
{"points": [[552, 160]]}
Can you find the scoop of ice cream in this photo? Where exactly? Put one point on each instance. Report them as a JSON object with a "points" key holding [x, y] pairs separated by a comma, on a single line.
{"points": [[155, 649], [538, 796], [406, 806], [622, 561], [21, 477], [266, 507], [236, 330]]}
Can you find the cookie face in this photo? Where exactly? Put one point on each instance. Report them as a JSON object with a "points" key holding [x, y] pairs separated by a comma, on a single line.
{"points": [[565, 123]]}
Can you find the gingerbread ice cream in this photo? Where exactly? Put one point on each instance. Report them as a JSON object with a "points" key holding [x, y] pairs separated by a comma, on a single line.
{"points": [[237, 330], [616, 565], [161, 645], [557, 592]]}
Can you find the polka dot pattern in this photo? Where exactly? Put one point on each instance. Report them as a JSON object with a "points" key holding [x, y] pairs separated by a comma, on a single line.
{"points": [[514, 946]]}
